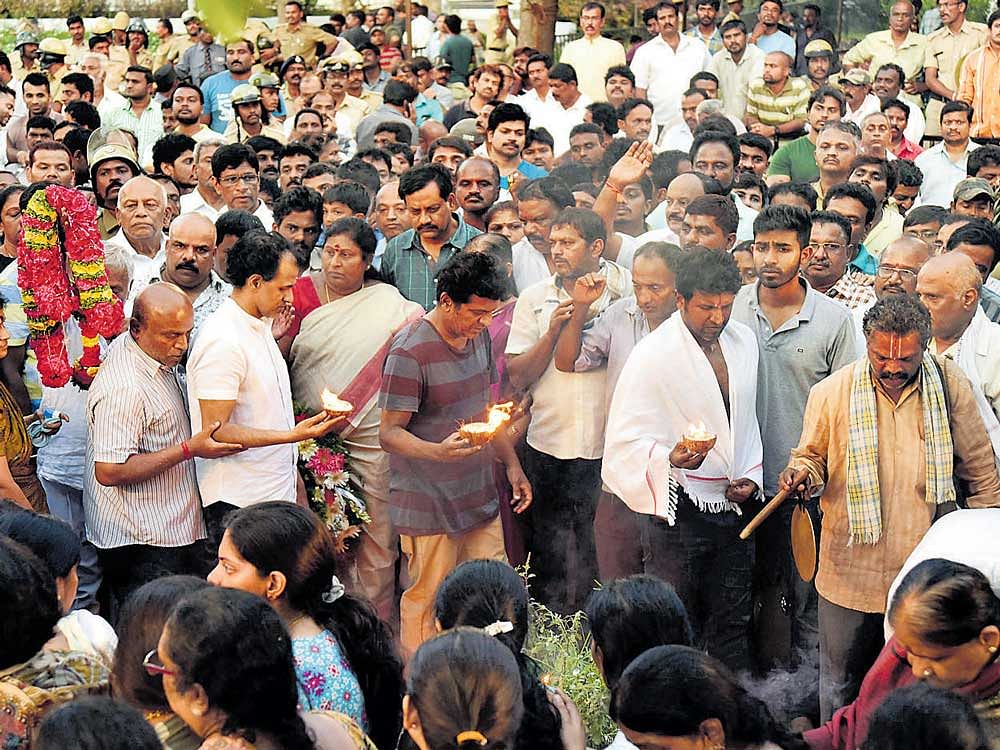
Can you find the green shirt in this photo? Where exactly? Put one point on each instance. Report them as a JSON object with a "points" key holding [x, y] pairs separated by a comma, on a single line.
{"points": [[797, 160], [458, 51], [408, 267]]}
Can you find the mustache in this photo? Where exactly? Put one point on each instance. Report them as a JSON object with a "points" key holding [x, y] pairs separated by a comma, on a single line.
{"points": [[187, 267]]}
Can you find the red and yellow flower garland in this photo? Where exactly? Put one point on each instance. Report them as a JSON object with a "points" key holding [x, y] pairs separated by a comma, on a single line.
{"points": [[56, 284]]}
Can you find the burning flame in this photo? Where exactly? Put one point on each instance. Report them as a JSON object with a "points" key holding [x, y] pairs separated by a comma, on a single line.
{"points": [[698, 431], [499, 414]]}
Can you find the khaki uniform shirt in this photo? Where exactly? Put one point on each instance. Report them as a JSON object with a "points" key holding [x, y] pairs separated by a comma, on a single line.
{"points": [[858, 576], [303, 41], [118, 62], [591, 59], [500, 49], [946, 52], [170, 51]]}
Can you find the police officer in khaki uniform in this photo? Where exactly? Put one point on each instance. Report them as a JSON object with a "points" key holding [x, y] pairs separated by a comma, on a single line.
{"points": [[52, 61], [172, 45], [300, 38], [501, 36], [946, 49], [25, 59]]}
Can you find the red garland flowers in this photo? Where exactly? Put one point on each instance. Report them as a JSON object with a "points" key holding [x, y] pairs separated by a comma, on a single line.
{"points": [[56, 283]]}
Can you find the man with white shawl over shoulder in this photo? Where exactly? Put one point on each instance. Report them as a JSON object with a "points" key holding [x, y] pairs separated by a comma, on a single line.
{"points": [[697, 370]]}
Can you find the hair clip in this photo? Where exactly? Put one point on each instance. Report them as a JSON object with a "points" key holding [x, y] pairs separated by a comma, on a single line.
{"points": [[471, 736], [335, 591], [496, 628]]}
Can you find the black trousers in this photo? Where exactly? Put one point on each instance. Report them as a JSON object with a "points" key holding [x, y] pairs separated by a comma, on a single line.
{"points": [[708, 565], [560, 529], [127, 568], [849, 643]]}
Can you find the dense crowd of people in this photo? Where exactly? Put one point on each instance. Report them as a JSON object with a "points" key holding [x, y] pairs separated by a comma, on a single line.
{"points": [[314, 335]]}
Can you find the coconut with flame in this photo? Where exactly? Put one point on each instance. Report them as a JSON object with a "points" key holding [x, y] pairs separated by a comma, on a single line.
{"points": [[334, 405], [698, 439], [480, 433]]}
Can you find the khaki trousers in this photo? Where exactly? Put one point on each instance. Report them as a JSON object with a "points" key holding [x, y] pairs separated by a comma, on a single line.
{"points": [[429, 559]]}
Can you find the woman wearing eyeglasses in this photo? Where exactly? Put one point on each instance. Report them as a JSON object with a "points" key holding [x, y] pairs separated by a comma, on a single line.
{"points": [[140, 625], [946, 622], [226, 663]]}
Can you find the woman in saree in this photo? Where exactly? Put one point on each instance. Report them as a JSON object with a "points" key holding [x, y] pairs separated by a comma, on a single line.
{"points": [[946, 623], [344, 321]]}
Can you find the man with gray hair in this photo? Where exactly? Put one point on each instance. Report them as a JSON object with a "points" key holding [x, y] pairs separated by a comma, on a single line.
{"points": [[911, 428], [949, 286], [142, 203], [837, 146], [205, 198]]}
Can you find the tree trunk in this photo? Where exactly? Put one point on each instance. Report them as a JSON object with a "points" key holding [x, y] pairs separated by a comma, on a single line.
{"points": [[538, 24]]}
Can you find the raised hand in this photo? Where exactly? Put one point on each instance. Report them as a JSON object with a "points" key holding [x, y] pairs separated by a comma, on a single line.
{"points": [[631, 167], [588, 289]]}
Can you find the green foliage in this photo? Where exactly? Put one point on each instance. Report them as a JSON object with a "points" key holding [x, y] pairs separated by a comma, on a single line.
{"points": [[561, 645]]}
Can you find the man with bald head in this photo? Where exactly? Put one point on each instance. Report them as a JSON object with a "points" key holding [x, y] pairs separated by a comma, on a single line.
{"points": [[949, 285], [897, 272], [477, 187], [189, 263], [142, 203], [141, 500]]}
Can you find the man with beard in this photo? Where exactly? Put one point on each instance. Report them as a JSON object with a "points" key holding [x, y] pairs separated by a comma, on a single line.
{"points": [[826, 269], [37, 99], [803, 337], [412, 258], [189, 263], [768, 35], [298, 217], [250, 118], [142, 203], [565, 439], [888, 86], [836, 147], [619, 85], [796, 160], [755, 154], [736, 66], [111, 167], [218, 88], [477, 186], [777, 104], [236, 176], [188, 104], [819, 58], [173, 155], [485, 83], [141, 115], [881, 494], [506, 131], [944, 164]]}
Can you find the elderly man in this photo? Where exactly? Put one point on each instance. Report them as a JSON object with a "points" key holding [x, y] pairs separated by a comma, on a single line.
{"points": [[949, 286], [188, 264], [911, 428], [897, 273], [777, 105], [857, 88], [143, 510], [141, 205]]}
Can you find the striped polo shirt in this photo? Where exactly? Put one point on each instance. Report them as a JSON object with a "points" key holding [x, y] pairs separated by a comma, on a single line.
{"points": [[788, 104], [441, 387]]}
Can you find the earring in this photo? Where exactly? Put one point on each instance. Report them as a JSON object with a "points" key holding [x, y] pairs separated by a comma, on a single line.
{"points": [[992, 649]]}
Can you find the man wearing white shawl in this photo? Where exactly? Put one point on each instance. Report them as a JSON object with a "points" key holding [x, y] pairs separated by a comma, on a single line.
{"points": [[697, 369], [949, 285]]}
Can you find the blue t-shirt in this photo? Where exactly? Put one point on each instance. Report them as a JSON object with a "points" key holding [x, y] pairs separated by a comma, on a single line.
{"points": [[217, 89], [779, 41], [528, 170]]}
